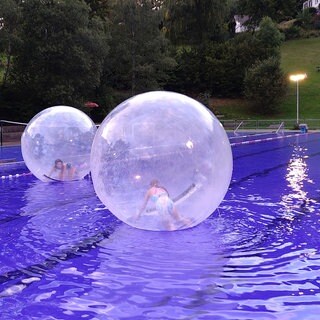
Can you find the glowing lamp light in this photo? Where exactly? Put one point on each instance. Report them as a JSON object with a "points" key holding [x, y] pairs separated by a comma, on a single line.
{"points": [[296, 78]]}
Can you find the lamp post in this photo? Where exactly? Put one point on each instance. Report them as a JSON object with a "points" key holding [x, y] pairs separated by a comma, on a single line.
{"points": [[297, 78]]}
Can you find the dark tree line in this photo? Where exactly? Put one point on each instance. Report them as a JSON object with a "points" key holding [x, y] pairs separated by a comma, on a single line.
{"points": [[69, 52]]}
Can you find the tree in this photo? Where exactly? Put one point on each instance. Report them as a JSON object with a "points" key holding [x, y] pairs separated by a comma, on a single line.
{"points": [[269, 38], [99, 8], [298, 7], [277, 10], [195, 21], [61, 56], [265, 85], [140, 56], [220, 68], [305, 19], [11, 18]]}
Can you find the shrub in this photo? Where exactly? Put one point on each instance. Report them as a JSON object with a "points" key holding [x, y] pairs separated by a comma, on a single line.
{"points": [[292, 33], [265, 85]]}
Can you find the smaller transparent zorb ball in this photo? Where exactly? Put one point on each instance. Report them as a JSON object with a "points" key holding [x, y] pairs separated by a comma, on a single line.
{"points": [[56, 144], [161, 161]]}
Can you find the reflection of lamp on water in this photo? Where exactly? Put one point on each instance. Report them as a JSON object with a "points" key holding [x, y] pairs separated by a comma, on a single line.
{"points": [[297, 78], [297, 179]]}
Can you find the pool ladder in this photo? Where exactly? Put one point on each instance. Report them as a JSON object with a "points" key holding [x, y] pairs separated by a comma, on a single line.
{"points": [[238, 127], [280, 127]]}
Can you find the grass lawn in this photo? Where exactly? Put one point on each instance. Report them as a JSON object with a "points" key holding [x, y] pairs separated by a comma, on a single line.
{"points": [[298, 56], [302, 56], [231, 108]]}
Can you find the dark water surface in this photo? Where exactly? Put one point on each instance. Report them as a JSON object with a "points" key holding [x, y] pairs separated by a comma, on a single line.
{"points": [[64, 256]]}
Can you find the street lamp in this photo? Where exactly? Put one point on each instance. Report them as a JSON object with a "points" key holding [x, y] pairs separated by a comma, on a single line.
{"points": [[297, 78]]}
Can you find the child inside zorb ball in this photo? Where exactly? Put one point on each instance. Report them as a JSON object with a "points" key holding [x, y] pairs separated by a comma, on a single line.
{"points": [[175, 143], [56, 144]]}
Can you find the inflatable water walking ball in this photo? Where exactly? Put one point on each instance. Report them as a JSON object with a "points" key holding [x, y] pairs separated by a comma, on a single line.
{"points": [[56, 144], [161, 161]]}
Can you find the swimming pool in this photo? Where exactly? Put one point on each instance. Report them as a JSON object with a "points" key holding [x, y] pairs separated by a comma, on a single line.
{"points": [[64, 256]]}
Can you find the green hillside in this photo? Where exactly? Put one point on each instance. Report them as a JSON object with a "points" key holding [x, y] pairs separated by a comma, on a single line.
{"points": [[302, 56], [298, 56]]}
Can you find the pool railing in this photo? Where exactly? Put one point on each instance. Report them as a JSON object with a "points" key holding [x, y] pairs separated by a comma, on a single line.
{"points": [[268, 125], [11, 130]]}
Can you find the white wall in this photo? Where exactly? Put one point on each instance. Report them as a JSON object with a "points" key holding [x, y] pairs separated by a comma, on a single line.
{"points": [[311, 3]]}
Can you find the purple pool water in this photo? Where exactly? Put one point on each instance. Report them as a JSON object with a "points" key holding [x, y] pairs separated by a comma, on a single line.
{"points": [[11, 153], [64, 256]]}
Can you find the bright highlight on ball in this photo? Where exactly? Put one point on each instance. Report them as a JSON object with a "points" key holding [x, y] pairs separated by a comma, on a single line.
{"points": [[57, 142], [161, 161]]}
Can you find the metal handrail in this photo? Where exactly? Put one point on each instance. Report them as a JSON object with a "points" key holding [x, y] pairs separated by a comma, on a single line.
{"points": [[268, 124], [13, 122], [238, 127], [9, 122], [281, 125]]}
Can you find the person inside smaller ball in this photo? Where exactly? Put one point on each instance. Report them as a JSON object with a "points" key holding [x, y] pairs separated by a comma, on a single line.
{"points": [[62, 171], [164, 205]]}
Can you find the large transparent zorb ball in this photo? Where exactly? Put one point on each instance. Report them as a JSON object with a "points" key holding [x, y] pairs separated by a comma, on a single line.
{"points": [[57, 142], [161, 161]]}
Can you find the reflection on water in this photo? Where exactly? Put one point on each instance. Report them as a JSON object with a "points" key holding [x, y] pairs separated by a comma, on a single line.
{"points": [[154, 273], [52, 217], [257, 258], [297, 177]]}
